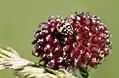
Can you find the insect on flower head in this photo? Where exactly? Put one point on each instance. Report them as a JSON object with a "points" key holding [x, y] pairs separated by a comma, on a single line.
{"points": [[65, 28]]}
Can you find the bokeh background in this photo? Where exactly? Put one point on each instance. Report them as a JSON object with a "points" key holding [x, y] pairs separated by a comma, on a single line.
{"points": [[20, 18]]}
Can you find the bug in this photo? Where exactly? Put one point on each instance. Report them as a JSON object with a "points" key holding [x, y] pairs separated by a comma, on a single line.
{"points": [[65, 28]]}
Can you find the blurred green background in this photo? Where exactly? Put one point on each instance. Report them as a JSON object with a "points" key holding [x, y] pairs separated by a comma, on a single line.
{"points": [[20, 18]]}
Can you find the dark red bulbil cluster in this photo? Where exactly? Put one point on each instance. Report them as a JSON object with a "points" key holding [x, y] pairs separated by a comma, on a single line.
{"points": [[80, 40]]}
